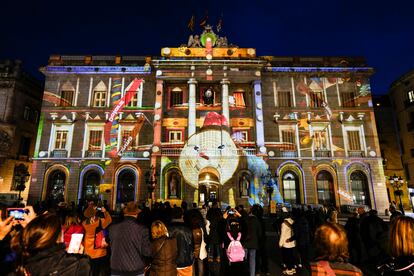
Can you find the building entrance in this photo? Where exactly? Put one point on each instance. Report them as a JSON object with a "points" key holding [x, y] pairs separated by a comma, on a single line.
{"points": [[208, 186]]}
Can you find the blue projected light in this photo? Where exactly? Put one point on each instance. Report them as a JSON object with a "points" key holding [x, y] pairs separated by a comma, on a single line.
{"points": [[99, 69], [319, 69]]}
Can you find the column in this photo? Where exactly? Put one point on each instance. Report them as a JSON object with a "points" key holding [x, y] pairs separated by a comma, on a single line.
{"points": [[158, 112], [225, 99], [259, 115], [192, 107]]}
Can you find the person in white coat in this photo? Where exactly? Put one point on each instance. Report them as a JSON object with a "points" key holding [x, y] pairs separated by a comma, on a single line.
{"points": [[287, 243]]}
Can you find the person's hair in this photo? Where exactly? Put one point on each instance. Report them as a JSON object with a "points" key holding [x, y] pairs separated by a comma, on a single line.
{"points": [[41, 233], [331, 243], [401, 237], [158, 229], [177, 213], [71, 219]]}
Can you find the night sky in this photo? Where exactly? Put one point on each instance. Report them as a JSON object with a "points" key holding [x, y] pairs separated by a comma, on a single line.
{"points": [[380, 31]]}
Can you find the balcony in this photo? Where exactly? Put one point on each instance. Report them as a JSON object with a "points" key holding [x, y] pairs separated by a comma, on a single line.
{"points": [[356, 153], [94, 153], [59, 153], [212, 152], [286, 153], [130, 154], [322, 153]]}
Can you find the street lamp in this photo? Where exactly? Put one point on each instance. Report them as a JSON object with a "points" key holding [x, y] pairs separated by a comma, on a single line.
{"points": [[397, 182], [21, 180], [151, 180], [268, 181]]}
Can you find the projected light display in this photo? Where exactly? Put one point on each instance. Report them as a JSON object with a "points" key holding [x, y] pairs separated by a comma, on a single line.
{"points": [[212, 148]]}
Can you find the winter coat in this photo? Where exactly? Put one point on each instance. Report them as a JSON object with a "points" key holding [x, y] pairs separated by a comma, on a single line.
{"points": [[286, 233], [185, 246], [163, 257], [129, 243], [254, 232], [90, 236], [55, 261], [73, 229]]}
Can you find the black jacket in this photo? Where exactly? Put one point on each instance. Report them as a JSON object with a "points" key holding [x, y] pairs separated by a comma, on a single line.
{"points": [[185, 246], [398, 267], [129, 243], [55, 261], [254, 232]]}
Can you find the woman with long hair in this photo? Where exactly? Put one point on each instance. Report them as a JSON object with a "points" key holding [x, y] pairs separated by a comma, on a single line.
{"points": [[331, 251], [401, 245], [93, 223], [71, 226], [164, 251], [40, 250]]}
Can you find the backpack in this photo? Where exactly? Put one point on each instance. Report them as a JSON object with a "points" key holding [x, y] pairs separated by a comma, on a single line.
{"points": [[235, 251]]}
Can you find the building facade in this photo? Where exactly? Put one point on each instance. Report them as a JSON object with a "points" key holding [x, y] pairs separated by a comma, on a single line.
{"points": [[216, 122], [390, 150], [402, 99], [20, 105]]}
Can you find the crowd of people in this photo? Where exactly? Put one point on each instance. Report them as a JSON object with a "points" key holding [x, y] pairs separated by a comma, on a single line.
{"points": [[187, 240]]}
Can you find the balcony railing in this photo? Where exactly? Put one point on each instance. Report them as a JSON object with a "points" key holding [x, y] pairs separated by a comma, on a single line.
{"points": [[286, 153], [356, 153], [130, 154], [323, 153], [94, 153], [59, 153], [212, 152]]}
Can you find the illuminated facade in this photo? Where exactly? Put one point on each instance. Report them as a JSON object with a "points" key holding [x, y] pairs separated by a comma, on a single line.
{"points": [[20, 105], [214, 118]]}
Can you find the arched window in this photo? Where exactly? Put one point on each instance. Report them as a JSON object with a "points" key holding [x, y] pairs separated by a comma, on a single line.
{"points": [[291, 191], [67, 92], [91, 182], [359, 186], [325, 187], [99, 95], [125, 190], [56, 186], [176, 97]]}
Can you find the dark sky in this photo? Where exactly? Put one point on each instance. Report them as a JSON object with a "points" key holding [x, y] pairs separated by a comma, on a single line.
{"points": [[381, 31]]}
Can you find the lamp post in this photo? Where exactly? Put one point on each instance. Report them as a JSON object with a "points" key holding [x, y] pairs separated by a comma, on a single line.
{"points": [[151, 180], [268, 181], [397, 182], [21, 180]]}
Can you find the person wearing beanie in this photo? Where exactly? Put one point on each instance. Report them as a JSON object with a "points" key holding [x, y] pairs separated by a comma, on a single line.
{"points": [[99, 260], [129, 243]]}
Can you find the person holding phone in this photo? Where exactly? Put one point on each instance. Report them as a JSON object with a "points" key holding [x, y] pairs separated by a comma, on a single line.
{"points": [[41, 252], [71, 226]]}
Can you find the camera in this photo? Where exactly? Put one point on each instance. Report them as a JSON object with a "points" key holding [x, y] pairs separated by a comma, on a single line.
{"points": [[99, 209], [231, 212]]}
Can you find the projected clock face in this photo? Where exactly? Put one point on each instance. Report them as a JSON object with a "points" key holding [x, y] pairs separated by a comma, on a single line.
{"points": [[209, 149]]}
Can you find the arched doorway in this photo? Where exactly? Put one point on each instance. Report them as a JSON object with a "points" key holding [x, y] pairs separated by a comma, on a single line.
{"points": [[360, 190], [126, 185], [291, 189], [56, 186], [90, 188], [325, 188], [208, 186]]}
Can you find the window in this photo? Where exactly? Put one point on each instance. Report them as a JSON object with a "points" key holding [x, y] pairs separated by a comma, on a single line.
{"points": [[348, 99], [288, 136], [284, 99], [175, 136], [316, 98], [91, 182], [56, 186], [176, 97], [354, 141], [125, 134], [324, 182], [35, 116], [134, 101], [66, 98], [99, 98], [95, 140], [26, 113], [61, 139], [359, 185], [412, 152], [239, 98], [290, 188], [407, 171], [410, 95], [25, 146], [320, 140]]}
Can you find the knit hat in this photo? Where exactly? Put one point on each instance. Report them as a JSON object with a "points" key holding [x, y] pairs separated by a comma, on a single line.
{"points": [[131, 209], [90, 211]]}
